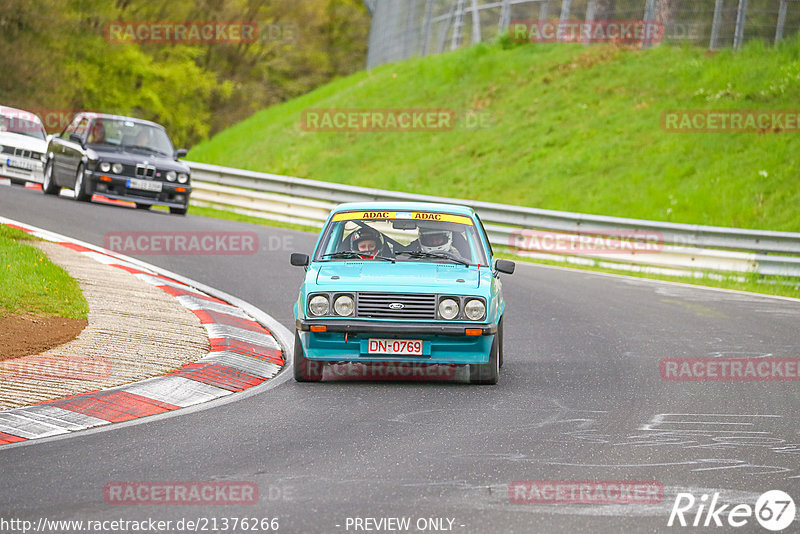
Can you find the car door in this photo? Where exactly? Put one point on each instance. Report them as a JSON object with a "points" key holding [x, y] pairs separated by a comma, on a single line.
{"points": [[57, 150], [73, 152]]}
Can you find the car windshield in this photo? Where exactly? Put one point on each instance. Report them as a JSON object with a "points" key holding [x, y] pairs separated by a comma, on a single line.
{"points": [[402, 237], [129, 135], [12, 123]]}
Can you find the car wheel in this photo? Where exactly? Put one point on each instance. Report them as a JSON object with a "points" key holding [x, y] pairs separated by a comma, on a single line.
{"points": [[178, 211], [80, 187], [487, 373], [142, 206], [500, 347], [305, 370], [49, 186]]}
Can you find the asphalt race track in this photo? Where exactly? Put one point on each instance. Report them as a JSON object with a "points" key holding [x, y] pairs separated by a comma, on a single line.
{"points": [[580, 398]]}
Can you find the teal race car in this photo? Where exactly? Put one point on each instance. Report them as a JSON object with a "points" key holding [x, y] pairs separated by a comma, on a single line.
{"points": [[401, 282]]}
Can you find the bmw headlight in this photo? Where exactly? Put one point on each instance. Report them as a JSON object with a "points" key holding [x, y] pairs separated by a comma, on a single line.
{"points": [[344, 305], [171, 175], [117, 168], [475, 310], [183, 177], [105, 166], [448, 309], [318, 305]]}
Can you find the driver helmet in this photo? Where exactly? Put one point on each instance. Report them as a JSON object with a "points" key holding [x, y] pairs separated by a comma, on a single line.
{"points": [[435, 240], [366, 241]]}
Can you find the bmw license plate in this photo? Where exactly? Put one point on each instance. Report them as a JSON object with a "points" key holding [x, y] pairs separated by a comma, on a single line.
{"points": [[19, 164], [144, 185], [397, 347]]}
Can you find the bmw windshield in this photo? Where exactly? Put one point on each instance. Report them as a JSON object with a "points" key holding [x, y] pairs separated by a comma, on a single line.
{"points": [[402, 236], [129, 135]]}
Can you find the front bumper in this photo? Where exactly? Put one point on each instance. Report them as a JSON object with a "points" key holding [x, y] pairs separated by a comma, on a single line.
{"points": [[117, 189], [347, 340]]}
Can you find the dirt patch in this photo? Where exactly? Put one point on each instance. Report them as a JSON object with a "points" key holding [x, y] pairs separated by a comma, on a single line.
{"points": [[23, 335]]}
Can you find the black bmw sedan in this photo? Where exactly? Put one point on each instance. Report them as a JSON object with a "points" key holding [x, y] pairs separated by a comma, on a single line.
{"points": [[119, 158]]}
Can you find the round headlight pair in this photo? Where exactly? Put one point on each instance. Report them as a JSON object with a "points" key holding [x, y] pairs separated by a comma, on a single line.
{"points": [[344, 305], [116, 168], [474, 309]]}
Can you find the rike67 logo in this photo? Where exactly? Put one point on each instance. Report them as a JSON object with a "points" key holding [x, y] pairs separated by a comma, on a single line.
{"points": [[774, 510]]}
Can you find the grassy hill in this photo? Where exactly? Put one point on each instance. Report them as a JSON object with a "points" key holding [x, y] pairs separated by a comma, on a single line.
{"points": [[571, 128]]}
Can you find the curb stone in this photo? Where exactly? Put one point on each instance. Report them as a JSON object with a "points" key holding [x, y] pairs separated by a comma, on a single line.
{"points": [[243, 354]]}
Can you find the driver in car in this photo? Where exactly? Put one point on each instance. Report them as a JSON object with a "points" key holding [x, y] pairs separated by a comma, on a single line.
{"points": [[98, 134], [367, 243], [436, 241]]}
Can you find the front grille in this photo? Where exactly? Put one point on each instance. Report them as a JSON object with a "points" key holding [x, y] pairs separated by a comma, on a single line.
{"points": [[8, 149], [376, 305], [145, 171], [22, 153]]}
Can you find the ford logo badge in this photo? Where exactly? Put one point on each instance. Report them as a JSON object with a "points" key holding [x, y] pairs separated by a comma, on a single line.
{"points": [[396, 306]]}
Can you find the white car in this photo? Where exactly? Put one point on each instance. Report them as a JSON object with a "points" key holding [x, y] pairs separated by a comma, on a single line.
{"points": [[23, 145]]}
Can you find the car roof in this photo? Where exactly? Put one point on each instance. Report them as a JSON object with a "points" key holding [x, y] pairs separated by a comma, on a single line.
{"points": [[20, 113], [95, 115], [392, 205]]}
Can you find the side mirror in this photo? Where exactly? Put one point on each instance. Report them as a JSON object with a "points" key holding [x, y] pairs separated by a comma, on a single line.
{"points": [[505, 266], [181, 153], [299, 260], [75, 138]]}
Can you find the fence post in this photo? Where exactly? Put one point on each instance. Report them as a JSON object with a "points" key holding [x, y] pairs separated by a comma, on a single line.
{"points": [[443, 29], [458, 25], [781, 22], [712, 45], [564, 10], [505, 16], [543, 10], [410, 42], [738, 37], [426, 32], [476, 23], [649, 15], [590, 9]]}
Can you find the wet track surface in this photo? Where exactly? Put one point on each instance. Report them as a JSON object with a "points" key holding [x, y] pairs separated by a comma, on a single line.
{"points": [[580, 398]]}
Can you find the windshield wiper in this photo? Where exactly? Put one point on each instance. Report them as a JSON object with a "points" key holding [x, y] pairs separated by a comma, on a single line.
{"points": [[142, 147], [420, 254], [355, 255]]}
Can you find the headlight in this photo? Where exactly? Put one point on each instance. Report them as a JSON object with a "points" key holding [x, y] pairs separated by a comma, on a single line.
{"points": [[183, 178], [318, 305], [105, 166], [344, 305], [117, 168], [171, 176], [448, 309], [474, 310]]}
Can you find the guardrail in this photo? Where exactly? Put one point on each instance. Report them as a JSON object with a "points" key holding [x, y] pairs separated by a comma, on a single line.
{"points": [[633, 244]]}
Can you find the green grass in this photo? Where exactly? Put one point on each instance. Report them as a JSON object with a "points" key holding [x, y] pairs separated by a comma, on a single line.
{"points": [[572, 128], [31, 284]]}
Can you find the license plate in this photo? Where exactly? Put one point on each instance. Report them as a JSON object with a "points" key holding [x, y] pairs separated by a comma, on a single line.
{"points": [[405, 347], [144, 185], [18, 164]]}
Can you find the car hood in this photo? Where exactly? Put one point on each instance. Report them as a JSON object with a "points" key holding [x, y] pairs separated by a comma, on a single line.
{"points": [[377, 273], [25, 142], [132, 157]]}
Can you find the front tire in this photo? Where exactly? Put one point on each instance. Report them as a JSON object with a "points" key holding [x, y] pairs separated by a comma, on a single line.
{"points": [[80, 187], [487, 373], [305, 370], [49, 186]]}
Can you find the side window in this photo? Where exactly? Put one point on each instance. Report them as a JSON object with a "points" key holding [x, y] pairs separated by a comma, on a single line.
{"points": [[82, 127], [70, 128], [483, 231]]}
